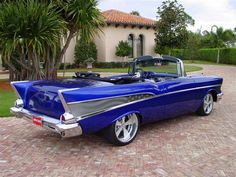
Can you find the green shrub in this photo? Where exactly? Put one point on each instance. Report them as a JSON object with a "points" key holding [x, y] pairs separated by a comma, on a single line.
{"points": [[123, 49], [208, 55], [227, 55], [111, 64], [179, 53], [85, 50], [68, 66]]}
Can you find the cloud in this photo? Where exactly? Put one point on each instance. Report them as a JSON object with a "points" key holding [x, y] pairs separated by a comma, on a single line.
{"points": [[205, 12], [211, 12]]}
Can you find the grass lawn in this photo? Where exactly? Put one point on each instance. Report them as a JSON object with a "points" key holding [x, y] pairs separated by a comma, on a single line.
{"points": [[198, 62], [7, 99], [188, 68]]}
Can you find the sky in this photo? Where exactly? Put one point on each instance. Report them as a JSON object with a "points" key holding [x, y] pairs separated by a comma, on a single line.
{"points": [[206, 13]]}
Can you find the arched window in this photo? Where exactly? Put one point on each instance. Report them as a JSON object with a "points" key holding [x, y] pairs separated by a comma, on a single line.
{"points": [[140, 45], [131, 44]]}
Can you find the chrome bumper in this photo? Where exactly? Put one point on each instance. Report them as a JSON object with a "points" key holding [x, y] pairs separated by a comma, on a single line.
{"points": [[219, 96], [65, 130]]}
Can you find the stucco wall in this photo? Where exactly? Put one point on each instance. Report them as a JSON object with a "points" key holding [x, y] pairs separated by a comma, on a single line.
{"points": [[114, 34], [107, 40], [69, 55], [100, 41]]}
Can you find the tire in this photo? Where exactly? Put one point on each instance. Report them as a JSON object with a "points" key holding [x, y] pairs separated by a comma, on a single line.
{"points": [[123, 131], [207, 105]]}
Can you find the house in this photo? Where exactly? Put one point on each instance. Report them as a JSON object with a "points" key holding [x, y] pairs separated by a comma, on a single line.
{"points": [[137, 30]]}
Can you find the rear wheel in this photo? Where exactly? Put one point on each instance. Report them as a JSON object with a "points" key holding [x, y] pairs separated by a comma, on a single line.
{"points": [[207, 105], [124, 130]]}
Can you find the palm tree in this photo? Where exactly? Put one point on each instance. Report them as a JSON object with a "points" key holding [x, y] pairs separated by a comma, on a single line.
{"points": [[28, 32], [31, 33], [220, 38], [83, 19]]}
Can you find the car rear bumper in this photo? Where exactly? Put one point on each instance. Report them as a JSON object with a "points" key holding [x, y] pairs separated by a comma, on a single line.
{"points": [[219, 96], [55, 125]]}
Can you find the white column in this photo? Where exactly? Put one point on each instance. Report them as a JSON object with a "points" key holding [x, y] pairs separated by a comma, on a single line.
{"points": [[135, 47]]}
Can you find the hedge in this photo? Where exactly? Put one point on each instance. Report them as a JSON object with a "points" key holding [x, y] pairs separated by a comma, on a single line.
{"points": [[98, 65], [111, 64], [227, 55]]}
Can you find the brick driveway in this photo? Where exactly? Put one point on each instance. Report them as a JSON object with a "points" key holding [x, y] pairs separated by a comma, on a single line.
{"points": [[186, 146]]}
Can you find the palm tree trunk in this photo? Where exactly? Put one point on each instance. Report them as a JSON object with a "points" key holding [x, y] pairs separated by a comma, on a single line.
{"points": [[63, 51], [13, 73], [36, 75]]}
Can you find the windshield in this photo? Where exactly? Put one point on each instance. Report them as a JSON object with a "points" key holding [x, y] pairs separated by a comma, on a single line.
{"points": [[131, 69], [157, 66]]}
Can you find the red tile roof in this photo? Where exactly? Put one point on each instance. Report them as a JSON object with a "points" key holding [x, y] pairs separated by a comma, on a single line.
{"points": [[118, 17]]}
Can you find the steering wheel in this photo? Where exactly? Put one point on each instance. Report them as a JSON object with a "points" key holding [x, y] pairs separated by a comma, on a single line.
{"points": [[147, 74]]}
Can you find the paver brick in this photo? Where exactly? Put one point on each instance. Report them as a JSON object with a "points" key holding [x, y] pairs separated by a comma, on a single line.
{"points": [[187, 146]]}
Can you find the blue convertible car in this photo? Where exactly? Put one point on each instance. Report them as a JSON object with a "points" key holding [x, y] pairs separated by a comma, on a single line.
{"points": [[155, 88]]}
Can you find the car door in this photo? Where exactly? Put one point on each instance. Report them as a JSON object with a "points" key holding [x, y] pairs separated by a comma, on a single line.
{"points": [[153, 109], [180, 96]]}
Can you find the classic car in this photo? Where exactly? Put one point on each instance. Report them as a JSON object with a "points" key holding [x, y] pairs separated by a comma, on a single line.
{"points": [[154, 88]]}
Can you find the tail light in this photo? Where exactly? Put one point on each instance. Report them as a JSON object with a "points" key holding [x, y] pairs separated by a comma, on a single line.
{"points": [[19, 103], [68, 118]]}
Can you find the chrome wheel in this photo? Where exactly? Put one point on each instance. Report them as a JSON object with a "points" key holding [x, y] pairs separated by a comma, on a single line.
{"points": [[208, 103], [126, 128]]}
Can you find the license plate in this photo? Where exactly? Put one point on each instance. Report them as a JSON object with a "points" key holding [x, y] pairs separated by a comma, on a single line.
{"points": [[37, 120]]}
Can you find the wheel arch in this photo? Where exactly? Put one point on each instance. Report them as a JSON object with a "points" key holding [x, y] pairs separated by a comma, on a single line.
{"points": [[130, 112], [214, 94]]}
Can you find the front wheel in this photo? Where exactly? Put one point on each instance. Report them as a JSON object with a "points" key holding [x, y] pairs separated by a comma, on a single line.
{"points": [[207, 105], [124, 130]]}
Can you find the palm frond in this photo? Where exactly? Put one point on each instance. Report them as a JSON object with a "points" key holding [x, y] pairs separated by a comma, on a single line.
{"points": [[29, 23]]}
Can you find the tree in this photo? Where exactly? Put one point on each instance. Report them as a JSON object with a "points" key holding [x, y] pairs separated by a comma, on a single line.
{"points": [[218, 38], [82, 17], [134, 12], [28, 32], [207, 40], [34, 30], [123, 49], [171, 27], [193, 45], [85, 50]]}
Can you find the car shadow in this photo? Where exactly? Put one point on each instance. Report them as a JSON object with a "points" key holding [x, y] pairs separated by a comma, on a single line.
{"points": [[97, 140]]}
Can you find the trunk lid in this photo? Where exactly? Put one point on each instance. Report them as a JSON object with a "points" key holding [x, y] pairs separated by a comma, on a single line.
{"points": [[42, 96]]}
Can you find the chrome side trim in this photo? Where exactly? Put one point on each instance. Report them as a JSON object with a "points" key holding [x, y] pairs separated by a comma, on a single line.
{"points": [[196, 88], [84, 108], [141, 93], [71, 89], [110, 109], [14, 82], [63, 101], [157, 96]]}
